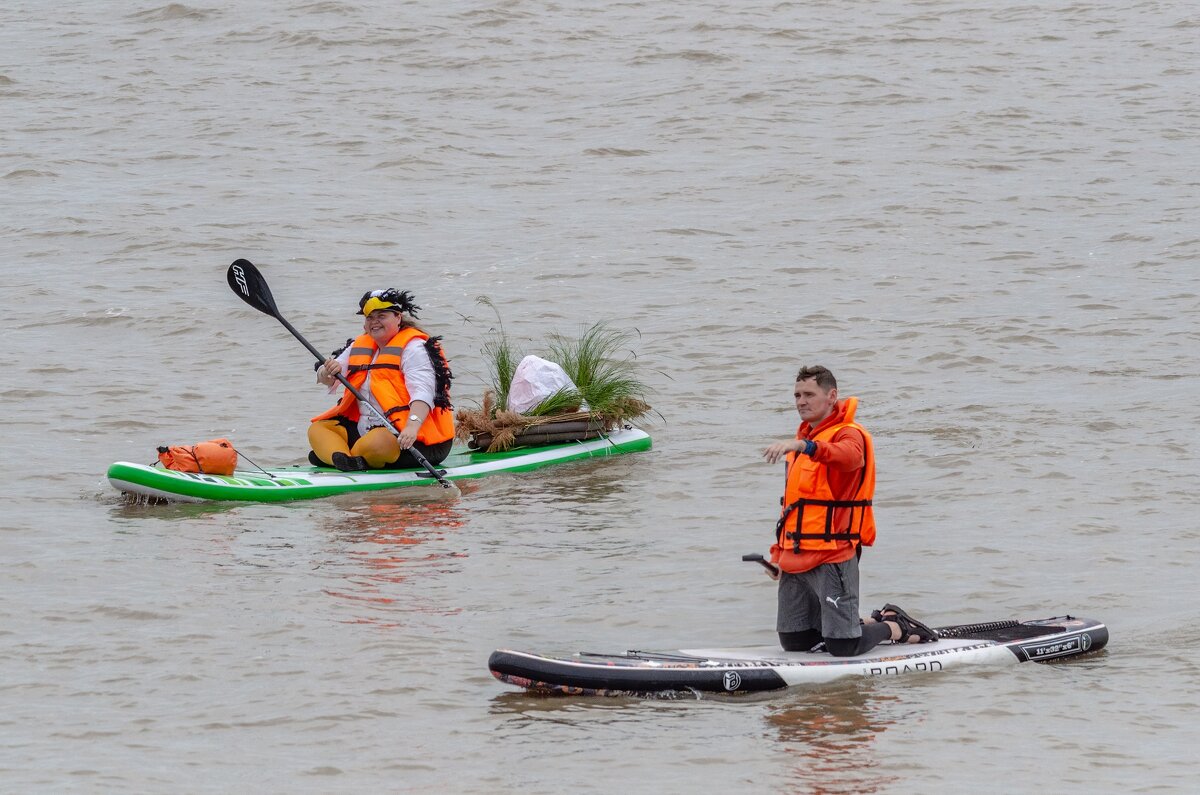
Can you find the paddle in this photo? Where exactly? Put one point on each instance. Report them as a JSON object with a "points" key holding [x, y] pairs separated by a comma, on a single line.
{"points": [[766, 564], [245, 280]]}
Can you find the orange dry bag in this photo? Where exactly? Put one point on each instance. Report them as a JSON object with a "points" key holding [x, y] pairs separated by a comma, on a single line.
{"points": [[214, 457]]}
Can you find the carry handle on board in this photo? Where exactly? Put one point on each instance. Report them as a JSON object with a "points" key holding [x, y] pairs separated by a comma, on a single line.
{"points": [[245, 280], [766, 564]]}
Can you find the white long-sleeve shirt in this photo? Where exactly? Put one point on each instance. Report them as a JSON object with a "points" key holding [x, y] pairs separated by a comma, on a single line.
{"points": [[418, 377]]}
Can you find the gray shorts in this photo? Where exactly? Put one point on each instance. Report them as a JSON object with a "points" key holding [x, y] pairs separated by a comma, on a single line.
{"points": [[824, 598]]}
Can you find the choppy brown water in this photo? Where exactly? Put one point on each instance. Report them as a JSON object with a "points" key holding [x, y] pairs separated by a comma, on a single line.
{"points": [[982, 219]]}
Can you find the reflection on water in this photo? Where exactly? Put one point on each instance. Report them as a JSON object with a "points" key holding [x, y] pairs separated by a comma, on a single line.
{"points": [[136, 508], [544, 717], [380, 547], [587, 482], [522, 707], [585, 497], [830, 731], [823, 736]]}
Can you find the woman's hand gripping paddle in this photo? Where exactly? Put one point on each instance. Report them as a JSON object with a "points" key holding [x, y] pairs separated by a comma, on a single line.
{"points": [[245, 280]]}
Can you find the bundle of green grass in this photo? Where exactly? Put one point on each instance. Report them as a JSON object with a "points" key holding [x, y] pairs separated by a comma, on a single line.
{"points": [[607, 393]]}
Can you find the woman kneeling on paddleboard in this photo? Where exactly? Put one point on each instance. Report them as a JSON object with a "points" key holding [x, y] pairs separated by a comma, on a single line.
{"points": [[405, 375]]}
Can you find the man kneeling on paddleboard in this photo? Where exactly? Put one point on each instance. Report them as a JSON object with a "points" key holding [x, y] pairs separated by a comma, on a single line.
{"points": [[405, 375], [826, 520]]}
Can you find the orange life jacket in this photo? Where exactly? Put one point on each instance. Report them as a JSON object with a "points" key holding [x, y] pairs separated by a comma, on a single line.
{"points": [[388, 387], [809, 502], [214, 457]]}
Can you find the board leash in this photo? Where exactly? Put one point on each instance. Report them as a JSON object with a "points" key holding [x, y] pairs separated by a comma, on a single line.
{"points": [[256, 466]]}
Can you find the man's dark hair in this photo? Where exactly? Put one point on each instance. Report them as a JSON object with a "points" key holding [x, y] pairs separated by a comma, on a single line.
{"points": [[820, 374]]}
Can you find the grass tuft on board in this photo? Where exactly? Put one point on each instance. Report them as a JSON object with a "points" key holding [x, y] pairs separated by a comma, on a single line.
{"points": [[607, 391]]}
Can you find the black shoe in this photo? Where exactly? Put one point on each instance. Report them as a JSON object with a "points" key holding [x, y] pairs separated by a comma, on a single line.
{"points": [[312, 459], [909, 626], [347, 463]]}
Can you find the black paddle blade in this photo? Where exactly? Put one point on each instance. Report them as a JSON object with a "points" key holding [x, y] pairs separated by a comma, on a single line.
{"points": [[245, 280]]}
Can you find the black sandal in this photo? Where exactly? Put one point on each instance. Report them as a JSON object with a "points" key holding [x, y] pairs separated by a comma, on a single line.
{"points": [[909, 626]]}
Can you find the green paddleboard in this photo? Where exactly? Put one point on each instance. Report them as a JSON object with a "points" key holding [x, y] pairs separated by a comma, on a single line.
{"points": [[308, 482]]}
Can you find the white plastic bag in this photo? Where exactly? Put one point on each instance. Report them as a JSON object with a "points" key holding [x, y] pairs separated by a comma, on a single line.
{"points": [[535, 380]]}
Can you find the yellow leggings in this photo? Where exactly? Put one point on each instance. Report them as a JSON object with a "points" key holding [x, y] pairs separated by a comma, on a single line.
{"points": [[377, 445]]}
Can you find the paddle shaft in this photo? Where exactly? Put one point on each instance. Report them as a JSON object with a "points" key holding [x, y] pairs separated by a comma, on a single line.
{"points": [[766, 564]]}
